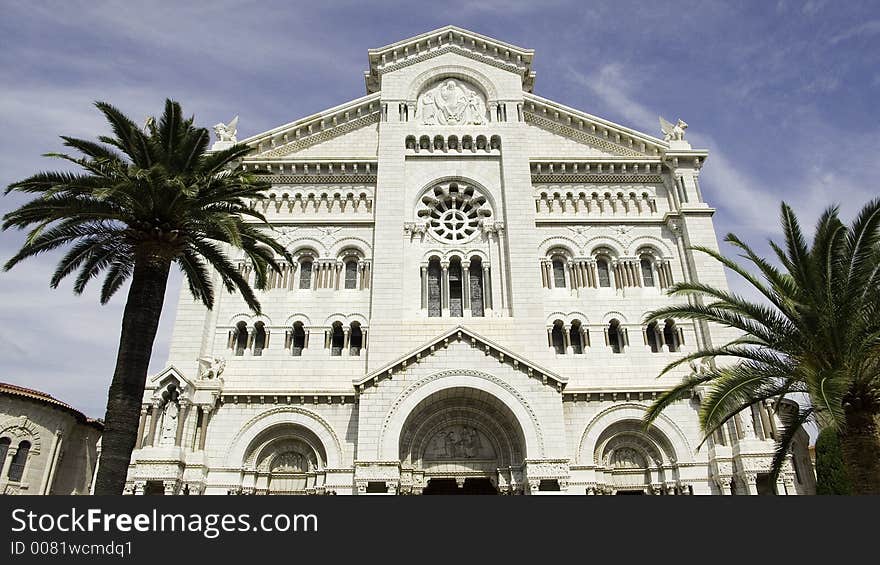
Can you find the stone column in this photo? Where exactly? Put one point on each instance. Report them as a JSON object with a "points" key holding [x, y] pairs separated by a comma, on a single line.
{"points": [[751, 481], [566, 339], [424, 270], [142, 422], [181, 421], [346, 333], [550, 337], [466, 289], [206, 413], [444, 289], [154, 417], [487, 290], [10, 454]]}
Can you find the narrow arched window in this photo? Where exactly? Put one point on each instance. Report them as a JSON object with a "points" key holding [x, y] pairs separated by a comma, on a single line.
{"points": [[615, 336], [298, 340], [16, 468], [305, 274], [478, 306], [259, 338], [455, 288], [604, 273], [558, 273], [351, 270], [671, 335], [241, 338], [4, 449], [652, 335], [337, 340], [575, 338], [356, 338], [557, 338], [434, 306], [647, 272]]}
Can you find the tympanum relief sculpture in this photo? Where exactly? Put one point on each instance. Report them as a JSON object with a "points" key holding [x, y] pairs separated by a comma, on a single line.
{"points": [[451, 103], [457, 443]]}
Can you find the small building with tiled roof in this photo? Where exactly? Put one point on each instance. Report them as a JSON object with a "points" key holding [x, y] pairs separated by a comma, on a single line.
{"points": [[46, 445]]}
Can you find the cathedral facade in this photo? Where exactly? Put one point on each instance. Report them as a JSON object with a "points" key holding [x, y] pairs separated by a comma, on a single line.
{"points": [[464, 313]]}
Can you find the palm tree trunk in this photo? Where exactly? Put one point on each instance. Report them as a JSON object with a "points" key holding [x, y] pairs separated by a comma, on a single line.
{"points": [[860, 444], [140, 321]]}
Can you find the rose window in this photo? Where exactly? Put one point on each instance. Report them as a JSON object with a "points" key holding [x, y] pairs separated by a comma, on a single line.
{"points": [[453, 211]]}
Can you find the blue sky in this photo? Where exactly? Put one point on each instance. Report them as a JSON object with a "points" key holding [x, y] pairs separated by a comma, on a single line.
{"points": [[782, 93]]}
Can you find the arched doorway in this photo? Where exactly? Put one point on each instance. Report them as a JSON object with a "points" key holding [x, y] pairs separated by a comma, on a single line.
{"points": [[630, 460], [286, 459], [461, 441]]}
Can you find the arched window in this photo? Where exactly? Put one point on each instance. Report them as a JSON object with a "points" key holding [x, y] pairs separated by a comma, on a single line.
{"points": [[455, 288], [575, 337], [654, 337], [16, 468], [305, 274], [604, 272], [615, 336], [558, 272], [672, 335], [337, 339], [241, 338], [557, 338], [351, 272], [356, 338], [4, 449], [298, 340], [434, 306], [478, 307], [647, 272], [259, 338]]}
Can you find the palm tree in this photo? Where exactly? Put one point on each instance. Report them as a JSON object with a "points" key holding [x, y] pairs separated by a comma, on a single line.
{"points": [[145, 199], [818, 333]]}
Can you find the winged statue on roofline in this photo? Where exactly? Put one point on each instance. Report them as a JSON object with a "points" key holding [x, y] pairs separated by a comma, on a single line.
{"points": [[673, 132], [226, 132]]}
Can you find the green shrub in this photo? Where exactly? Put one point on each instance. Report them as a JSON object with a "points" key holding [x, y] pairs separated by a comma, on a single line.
{"points": [[830, 472]]}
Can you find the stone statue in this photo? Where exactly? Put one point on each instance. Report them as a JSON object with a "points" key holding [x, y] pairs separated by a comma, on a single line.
{"points": [[451, 103], [213, 367], [673, 132], [227, 132], [169, 424]]}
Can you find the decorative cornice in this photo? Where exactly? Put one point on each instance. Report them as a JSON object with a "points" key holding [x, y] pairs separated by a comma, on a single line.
{"points": [[316, 128], [592, 130]]}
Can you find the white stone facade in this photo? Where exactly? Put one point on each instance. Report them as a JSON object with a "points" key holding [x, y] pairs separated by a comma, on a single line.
{"points": [[473, 265], [46, 446]]}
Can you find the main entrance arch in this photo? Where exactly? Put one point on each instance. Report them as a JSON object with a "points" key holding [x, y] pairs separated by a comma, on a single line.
{"points": [[461, 440]]}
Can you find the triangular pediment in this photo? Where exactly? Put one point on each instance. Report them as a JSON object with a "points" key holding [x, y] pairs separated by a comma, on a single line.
{"points": [[449, 39], [170, 371], [330, 133], [462, 334]]}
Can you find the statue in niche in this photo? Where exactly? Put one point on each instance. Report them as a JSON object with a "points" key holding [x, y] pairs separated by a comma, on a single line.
{"points": [[170, 413], [169, 424], [673, 132], [451, 103]]}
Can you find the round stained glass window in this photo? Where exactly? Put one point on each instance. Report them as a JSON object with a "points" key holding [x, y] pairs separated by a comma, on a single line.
{"points": [[454, 211]]}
